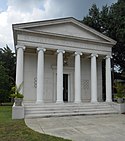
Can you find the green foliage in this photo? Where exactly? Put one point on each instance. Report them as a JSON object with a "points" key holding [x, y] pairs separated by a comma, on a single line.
{"points": [[15, 92], [7, 73], [93, 19], [17, 95], [8, 59], [4, 84], [120, 88], [111, 22]]}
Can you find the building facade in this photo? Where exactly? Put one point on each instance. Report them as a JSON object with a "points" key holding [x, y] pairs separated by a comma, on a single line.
{"points": [[61, 61]]}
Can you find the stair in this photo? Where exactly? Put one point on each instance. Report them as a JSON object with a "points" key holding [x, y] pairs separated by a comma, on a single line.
{"points": [[67, 109]]}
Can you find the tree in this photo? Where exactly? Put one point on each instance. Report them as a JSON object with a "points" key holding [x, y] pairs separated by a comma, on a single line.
{"points": [[111, 22], [117, 32], [7, 72], [4, 84], [8, 58]]}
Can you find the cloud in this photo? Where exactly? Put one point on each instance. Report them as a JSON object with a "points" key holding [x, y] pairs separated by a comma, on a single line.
{"points": [[26, 5], [18, 11]]}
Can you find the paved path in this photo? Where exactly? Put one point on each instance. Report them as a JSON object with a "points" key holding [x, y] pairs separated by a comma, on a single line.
{"points": [[82, 128]]}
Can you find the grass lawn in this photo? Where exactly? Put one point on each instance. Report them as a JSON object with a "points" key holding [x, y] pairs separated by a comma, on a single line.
{"points": [[16, 130]]}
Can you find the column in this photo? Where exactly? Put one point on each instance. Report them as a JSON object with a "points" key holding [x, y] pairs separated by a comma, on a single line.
{"points": [[108, 80], [93, 78], [77, 77], [40, 75], [19, 66], [60, 76]]}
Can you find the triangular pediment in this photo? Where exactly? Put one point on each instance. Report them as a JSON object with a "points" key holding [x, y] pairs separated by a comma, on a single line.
{"points": [[67, 26], [67, 29]]}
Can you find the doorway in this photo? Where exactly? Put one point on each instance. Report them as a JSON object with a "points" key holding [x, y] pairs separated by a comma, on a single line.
{"points": [[65, 87]]}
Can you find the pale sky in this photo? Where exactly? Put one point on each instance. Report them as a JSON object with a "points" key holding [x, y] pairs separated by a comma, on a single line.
{"points": [[18, 11]]}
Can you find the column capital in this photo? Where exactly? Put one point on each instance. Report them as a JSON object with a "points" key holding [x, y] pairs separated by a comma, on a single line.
{"points": [[59, 50], [39, 49], [94, 54], [78, 53], [108, 56], [20, 46]]}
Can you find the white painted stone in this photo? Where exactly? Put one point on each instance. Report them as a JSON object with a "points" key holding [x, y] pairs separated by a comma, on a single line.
{"points": [[30, 77], [40, 75], [20, 66], [68, 45], [60, 76], [77, 77], [44, 82], [120, 107], [108, 80], [85, 79], [67, 29], [18, 112], [93, 78]]}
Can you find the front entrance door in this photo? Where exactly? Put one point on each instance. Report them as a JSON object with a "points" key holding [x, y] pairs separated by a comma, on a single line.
{"points": [[65, 87]]}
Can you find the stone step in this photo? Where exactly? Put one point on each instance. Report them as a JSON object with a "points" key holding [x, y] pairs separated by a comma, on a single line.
{"points": [[65, 104], [49, 110], [59, 106], [66, 110], [68, 114], [63, 108]]}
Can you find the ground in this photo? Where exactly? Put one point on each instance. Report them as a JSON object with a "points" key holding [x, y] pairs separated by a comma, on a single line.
{"points": [[109, 127]]}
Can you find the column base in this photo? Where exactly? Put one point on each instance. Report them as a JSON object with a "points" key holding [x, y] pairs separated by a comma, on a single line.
{"points": [[40, 102], [77, 101], [59, 102], [108, 101], [94, 101]]}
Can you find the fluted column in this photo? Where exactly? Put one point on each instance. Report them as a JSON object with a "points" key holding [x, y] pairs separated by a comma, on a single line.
{"points": [[108, 80], [40, 75], [93, 78], [77, 77], [20, 66], [60, 76]]}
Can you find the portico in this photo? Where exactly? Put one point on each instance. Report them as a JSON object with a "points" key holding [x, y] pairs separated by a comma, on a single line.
{"points": [[47, 50], [60, 71]]}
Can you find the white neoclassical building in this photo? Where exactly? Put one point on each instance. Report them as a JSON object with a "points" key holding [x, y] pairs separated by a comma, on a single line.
{"points": [[60, 61]]}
